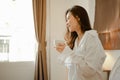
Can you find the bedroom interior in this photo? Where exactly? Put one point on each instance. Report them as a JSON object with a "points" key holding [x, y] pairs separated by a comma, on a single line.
{"points": [[21, 66]]}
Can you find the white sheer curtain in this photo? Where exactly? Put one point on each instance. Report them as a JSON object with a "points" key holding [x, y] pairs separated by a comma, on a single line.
{"points": [[16, 20]]}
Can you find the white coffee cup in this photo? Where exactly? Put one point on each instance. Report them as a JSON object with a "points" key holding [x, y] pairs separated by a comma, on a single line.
{"points": [[56, 42]]}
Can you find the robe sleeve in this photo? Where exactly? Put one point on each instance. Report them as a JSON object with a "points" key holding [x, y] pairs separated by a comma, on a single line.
{"points": [[92, 59]]}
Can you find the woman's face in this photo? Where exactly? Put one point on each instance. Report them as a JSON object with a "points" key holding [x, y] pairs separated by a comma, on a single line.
{"points": [[72, 23]]}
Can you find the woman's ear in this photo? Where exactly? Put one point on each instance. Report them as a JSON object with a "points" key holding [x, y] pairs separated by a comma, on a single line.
{"points": [[77, 18]]}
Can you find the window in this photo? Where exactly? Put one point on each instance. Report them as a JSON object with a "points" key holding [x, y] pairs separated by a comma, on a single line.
{"points": [[17, 36]]}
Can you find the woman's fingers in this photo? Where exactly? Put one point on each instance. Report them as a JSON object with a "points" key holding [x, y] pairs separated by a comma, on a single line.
{"points": [[60, 47]]}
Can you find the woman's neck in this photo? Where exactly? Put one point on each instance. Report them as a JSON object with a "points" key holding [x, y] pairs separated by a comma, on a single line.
{"points": [[80, 34]]}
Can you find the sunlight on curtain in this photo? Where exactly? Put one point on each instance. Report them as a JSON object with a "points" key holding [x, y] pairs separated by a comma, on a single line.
{"points": [[16, 20]]}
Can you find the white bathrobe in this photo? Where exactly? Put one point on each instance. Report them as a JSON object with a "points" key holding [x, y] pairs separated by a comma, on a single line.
{"points": [[85, 61]]}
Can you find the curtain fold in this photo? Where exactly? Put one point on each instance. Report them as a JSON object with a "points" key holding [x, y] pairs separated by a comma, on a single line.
{"points": [[39, 11], [107, 23]]}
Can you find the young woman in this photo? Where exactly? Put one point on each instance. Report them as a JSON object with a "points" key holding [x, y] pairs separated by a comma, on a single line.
{"points": [[83, 53]]}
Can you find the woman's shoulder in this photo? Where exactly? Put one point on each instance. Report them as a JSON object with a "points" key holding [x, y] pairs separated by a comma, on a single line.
{"points": [[91, 35]]}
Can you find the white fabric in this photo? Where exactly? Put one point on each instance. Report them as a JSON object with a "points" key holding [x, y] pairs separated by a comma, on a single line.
{"points": [[85, 61], [115, 73]]}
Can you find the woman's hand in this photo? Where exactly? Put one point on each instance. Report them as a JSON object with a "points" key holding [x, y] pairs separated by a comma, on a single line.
{"points": [[60, 47]]}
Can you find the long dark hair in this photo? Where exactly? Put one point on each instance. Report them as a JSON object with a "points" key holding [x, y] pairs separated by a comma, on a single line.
{"points": [[80, 12]]}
